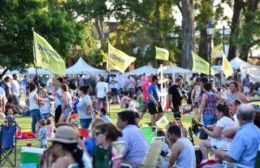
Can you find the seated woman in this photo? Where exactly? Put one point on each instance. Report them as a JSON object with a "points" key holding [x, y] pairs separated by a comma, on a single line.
{"points": [[216, 138], [105, 134], [90, 142], [65, 150]]}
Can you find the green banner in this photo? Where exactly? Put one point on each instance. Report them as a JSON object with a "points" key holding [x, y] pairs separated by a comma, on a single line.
{"points": [[200, 65], [46, 57], [118, 60], [162, 54]]}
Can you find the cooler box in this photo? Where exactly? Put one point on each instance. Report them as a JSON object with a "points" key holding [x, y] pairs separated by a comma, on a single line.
{"points": [[30, 157]]}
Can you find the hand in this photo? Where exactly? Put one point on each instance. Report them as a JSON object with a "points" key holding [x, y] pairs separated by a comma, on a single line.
{"points": [[156, 104]]}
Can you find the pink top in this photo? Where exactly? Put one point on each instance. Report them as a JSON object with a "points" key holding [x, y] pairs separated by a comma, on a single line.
{"points": [[146, 83]]}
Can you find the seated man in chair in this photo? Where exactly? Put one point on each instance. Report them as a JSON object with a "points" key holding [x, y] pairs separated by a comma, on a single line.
{"points": [[245, 144]]}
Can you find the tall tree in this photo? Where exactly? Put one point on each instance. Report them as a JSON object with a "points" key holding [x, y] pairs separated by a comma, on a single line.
{"points": [[235, 27], [17, 18], [188, 32], [250, 34]]}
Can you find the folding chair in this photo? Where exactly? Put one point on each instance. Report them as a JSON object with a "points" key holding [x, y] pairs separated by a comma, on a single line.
{"points": [[7, 145]]}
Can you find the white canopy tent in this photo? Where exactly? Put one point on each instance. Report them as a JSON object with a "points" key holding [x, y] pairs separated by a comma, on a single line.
{"points": [[175, 69], [32, 71], [81, 67], [238, 63], [144, 69], [254, 73]]}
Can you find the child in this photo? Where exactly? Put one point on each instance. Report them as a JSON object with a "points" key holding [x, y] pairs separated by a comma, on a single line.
{"points": [[46, 106], [124, 102], [134, 105], [104, 116], [42, 134], [10, 118], [163, 160], [49, 128]]}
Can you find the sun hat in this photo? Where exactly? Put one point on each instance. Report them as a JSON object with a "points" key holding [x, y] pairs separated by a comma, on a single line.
{"points": [[65, 134]]}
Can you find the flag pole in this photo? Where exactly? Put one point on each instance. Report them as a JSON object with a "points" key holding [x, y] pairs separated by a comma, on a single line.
{"points": [[108, 53], [34, 56]]}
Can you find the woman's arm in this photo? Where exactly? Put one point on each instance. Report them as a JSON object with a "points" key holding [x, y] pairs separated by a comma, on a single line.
{"points": [[202, 105], [216, 133]]}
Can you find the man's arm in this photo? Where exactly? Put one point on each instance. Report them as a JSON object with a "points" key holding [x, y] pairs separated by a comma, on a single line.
{"points": [[175, 151], [222, 155]]}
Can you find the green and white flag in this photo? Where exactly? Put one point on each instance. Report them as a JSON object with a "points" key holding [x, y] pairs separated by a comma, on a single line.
{"points": [[46, 57], [162, 54]]}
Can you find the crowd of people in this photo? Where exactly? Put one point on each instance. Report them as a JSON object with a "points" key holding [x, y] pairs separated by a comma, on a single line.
{"points": [[227, 125]]}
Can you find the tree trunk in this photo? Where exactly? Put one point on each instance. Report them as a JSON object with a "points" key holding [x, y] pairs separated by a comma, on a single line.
{"points": [[235, 27], [99, 27], [188, 40], [203, 44], [249, 18]]}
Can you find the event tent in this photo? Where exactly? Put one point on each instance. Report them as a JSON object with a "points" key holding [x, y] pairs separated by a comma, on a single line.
{"points": [[32, 71], [81, 67], [238, 63], [175, 69], [144, 69]]}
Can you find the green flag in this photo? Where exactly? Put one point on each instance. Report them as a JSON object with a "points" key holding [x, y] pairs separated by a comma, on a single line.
{"points": [[200, 65], [118, 60], [162, 54], [46, 57], [226, 67]]}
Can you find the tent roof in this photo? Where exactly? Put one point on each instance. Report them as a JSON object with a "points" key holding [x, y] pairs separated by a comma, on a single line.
{"points": [[237, 63], [144, 69], [81, 67], [175, 69], [40, 71]]}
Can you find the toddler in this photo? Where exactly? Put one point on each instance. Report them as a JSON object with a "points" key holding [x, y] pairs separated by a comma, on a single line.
{"points": [[42, 134], [104, 116], [49, 128]]}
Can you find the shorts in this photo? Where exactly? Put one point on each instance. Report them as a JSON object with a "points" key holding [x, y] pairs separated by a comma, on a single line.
{"points": [[67, 112], [153, 109], [84, 123], [113, 91]]}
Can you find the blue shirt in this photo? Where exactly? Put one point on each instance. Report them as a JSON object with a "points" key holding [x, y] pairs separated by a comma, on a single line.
{"points": [[89, 144], [245, 145], [136, 147], [152, 89]]}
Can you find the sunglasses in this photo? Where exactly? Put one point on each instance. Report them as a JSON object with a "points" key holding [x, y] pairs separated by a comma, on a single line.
{"points": [[97, 133]]}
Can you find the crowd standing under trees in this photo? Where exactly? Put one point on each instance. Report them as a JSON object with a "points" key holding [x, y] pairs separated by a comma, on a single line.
{"points": [[221, 113]]}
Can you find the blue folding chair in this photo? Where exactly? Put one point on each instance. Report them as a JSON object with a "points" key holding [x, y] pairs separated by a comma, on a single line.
{"points": [[8, 145]]}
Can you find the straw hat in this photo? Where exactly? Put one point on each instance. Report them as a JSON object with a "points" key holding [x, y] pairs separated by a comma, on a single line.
{"points": [[65, 134]]}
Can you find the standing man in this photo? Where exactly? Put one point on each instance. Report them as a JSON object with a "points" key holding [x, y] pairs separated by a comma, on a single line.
{"points": [[182, 150], [57, 100], [101, 90], [175, 97], [154, 106], [15, 89]]}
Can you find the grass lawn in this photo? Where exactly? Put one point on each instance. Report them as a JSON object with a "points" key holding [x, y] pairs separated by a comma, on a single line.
{"points": [[25, 124]]}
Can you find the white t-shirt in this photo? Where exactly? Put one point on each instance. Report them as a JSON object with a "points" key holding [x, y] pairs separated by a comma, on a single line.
{"points": [[102, 89], [57, 101], [2, 92], [222, 142], [32, 101], [15, 87], [45, 108]]}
